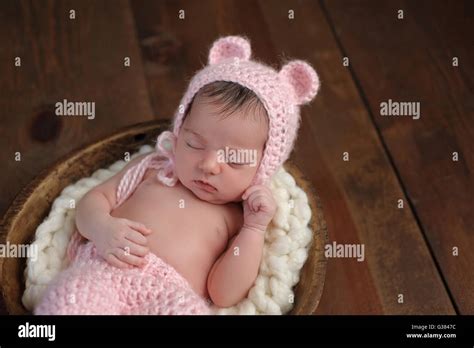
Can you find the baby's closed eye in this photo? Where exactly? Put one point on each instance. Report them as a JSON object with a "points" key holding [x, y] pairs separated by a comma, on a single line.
{"points": [[193, 146], [238, 164]]}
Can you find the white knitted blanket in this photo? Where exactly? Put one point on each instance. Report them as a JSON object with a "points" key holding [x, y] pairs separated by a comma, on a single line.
{"points": [[285, 251]]}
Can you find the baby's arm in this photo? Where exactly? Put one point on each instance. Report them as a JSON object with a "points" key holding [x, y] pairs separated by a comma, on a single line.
{"points": [[94, 222], [236, 270]]}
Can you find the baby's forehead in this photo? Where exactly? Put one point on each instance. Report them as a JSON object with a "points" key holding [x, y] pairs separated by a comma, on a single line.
{"points": [[233, 130], [202, 107]]}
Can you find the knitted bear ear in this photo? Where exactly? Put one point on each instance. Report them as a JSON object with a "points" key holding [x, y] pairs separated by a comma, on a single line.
{"points": [[229, 47], [303, 78]]}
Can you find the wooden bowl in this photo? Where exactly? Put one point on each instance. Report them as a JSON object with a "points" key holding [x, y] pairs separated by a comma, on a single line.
{"points": [[34, 202]]}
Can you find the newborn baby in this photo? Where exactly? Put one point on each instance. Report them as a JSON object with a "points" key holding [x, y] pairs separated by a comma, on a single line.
{"points": [[184, 226]]}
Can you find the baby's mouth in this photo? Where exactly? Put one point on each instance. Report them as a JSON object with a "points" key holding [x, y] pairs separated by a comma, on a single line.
{"points": [[204, 186]]}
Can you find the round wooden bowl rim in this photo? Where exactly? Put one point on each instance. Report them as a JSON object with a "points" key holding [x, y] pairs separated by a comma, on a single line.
{"points": [[23, 199]]}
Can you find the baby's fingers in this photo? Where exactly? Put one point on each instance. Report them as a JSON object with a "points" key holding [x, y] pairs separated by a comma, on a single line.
{"points": [[135, 249], [139, 227], [257, 190], [248, 192], [136, 237], [127, 257], [114, 261], [257, 202]]}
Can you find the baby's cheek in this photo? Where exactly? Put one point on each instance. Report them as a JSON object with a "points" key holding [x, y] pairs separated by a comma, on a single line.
{"points": [[180, 163], [244, 177]]}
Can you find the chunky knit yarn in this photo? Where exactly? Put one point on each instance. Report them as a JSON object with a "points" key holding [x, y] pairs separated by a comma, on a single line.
{"points": [[92, 286]]}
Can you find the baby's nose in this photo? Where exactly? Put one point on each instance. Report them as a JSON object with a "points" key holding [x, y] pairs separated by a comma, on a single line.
{"points": [[209, 163]]}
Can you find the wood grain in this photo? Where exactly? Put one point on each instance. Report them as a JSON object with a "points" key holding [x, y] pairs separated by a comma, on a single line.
{"points": [[359, 196], [411, 60], [79, 59], [173, 49]]}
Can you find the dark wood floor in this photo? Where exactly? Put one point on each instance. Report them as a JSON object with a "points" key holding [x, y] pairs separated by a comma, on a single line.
{"points": [[409, 251]]}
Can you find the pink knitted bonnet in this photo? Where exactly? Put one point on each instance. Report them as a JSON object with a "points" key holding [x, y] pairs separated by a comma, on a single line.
{"points": [[281, 92]]}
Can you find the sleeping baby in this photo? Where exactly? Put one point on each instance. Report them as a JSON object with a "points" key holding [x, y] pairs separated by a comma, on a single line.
{"points": [[183, 227]]}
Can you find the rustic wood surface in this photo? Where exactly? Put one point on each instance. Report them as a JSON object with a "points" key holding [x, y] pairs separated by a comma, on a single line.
{"points": [[407, 251], [411, 60]]}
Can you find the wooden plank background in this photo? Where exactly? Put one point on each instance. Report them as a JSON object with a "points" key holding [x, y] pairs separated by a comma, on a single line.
{"points": [[411, 60], [407, 251]]}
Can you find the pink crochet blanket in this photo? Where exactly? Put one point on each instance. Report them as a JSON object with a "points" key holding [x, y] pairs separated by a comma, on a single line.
{"points": [[92, 286]]}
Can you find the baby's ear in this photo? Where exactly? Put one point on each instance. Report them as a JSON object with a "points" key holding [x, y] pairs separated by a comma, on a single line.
{"points": [[229, 47], [303, 78]]}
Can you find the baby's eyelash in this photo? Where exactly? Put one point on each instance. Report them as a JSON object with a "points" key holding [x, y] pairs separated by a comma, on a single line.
{"points": [[192, 147], [238, 164]]}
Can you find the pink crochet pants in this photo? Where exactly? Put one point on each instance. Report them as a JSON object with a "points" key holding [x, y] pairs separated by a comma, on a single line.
{"points": [[92, 286]]}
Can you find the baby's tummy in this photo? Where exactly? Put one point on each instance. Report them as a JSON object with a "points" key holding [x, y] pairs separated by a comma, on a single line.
{"points": [[177, 240], [189, 257]]}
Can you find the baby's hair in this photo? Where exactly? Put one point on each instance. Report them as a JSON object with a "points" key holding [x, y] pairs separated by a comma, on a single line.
{"points": [[232, 97]]}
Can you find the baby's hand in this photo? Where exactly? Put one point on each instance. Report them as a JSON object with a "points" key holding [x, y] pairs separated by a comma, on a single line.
{"points": [[123, 242], [259, 207]]}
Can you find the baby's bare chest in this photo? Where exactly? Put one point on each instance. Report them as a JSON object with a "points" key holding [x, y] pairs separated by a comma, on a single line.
{"points": [[175, 205], [186, 230]]}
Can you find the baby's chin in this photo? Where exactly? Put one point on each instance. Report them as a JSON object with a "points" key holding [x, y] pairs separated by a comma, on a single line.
{"points": [[209, 197]]}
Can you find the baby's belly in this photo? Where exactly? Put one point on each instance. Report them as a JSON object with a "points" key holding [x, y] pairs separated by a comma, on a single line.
{"points": [[181, 238]]}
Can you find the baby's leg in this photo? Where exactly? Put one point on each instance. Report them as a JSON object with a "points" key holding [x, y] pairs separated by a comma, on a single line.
{"points": [[89, 286]]}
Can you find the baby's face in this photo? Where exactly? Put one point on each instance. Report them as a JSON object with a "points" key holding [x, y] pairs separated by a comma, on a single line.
{"points": [[224, 152]]}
